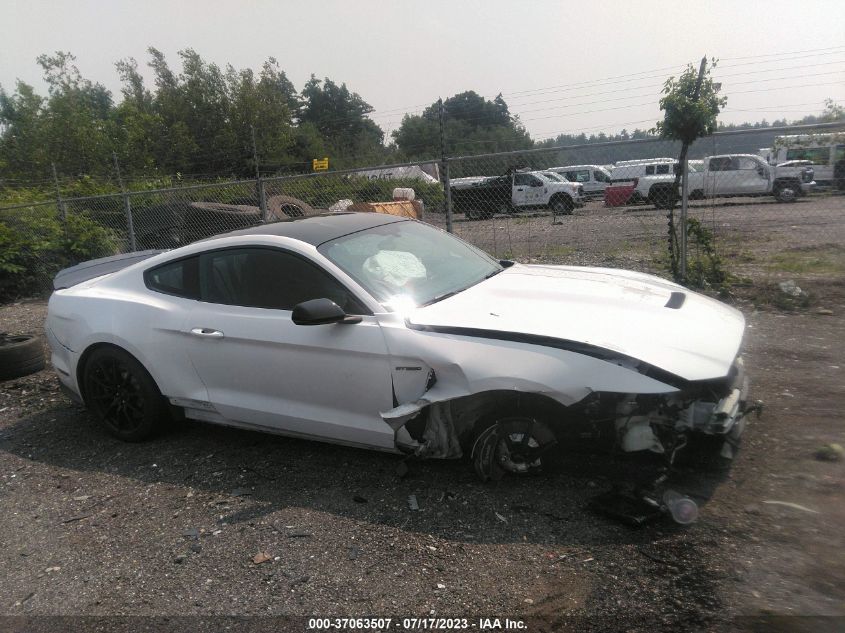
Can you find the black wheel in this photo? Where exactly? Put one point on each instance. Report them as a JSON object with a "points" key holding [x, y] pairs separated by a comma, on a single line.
{"points": [[561, 206], [786, 192], [510, 444], [663, 198], [20, 355], [123, 395]]}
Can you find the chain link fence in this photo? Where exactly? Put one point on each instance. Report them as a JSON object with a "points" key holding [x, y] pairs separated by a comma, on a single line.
{"points": [[603, 204]]}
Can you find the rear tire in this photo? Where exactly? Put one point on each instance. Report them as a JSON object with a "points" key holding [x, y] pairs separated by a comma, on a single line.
{"points": [[122, 395], [663, 197], [561, 206]]}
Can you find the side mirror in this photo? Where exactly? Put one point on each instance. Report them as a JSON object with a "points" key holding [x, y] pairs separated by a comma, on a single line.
{"points": [[761, 171], [321, 312]]}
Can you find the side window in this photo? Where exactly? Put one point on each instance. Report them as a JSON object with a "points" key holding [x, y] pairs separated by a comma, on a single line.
{"points": [[649, 170], [748, 163], [180, 278], [720, 163], [572, 176], [533, 181], [268, 278], [662, 169], [521, 180], [599, 176]]}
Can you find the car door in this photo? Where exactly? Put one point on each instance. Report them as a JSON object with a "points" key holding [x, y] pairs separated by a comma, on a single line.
{"points": [[719, 177], [752, 176], [521, 190], [323, 381]]}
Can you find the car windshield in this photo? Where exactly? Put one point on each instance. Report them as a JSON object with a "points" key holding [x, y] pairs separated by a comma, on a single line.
{"points": [[406, 264]]}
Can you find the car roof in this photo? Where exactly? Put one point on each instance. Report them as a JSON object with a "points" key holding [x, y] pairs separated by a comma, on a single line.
{"points": [[317, 229]]}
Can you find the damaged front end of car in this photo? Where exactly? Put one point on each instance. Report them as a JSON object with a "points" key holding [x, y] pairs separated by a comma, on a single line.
{"points": [[693, 425]]}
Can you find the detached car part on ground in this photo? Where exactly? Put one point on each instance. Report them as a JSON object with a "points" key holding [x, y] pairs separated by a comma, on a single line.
{"points": [[386, 333]]}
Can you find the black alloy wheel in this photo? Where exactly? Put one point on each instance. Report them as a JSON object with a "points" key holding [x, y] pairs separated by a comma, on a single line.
{"points": [[122, 395]]}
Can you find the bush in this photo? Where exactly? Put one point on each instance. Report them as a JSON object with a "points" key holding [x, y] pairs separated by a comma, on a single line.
{"points": [[34, 246]]}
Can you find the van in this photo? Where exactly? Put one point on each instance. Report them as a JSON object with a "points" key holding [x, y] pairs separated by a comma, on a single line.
{"points": [[824, 150], [593, 178]]}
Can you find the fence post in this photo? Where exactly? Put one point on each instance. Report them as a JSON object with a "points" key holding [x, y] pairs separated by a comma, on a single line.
{"points": [[445, 163], [127, 207], [684, 202], [448, 189], [259, 184], [59, 202]]}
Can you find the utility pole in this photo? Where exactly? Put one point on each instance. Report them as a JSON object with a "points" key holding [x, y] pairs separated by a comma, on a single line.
{"points": [[444, 162], [127, 206]]}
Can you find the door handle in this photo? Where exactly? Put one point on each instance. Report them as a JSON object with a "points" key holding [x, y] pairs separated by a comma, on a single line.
{"points": [[206, 332]]}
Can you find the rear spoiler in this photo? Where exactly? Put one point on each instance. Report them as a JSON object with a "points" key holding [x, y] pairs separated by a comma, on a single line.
{"points": [[98, 267]]}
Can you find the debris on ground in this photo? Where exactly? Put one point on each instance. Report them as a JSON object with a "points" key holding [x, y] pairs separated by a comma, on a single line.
{"points": [[789, 504], [359, 499], [830, 453], [261, 557], [412, 503]]}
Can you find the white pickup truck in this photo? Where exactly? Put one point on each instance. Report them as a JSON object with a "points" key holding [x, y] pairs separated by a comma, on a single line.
{"points": [[728, 175], [482, 197]]}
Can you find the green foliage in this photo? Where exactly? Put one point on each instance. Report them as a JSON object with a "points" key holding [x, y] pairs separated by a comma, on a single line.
{"points": [[35, 244], [705, 269], [685, 116], [471, 124]]}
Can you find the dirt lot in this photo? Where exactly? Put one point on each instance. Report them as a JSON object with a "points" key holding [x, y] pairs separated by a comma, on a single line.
{"points": [[91, 526]]}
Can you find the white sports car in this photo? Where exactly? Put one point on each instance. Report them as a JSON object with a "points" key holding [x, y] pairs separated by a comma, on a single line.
{"points": [[386, 333]]}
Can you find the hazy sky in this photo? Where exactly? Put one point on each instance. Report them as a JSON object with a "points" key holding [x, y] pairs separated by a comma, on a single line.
{"points": [[562, 66]]}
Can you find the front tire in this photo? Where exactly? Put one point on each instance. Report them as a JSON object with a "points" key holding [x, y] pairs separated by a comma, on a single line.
{"points": [[510, 444], [122, 395], [786, 192]]}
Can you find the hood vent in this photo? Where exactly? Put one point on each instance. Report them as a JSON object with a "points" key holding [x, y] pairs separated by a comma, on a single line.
{"points": [[676, 300]]}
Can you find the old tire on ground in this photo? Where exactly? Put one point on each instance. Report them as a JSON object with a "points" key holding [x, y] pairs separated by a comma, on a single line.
{"points": [[510, 444], [20, 355], [785, 192], [122, 395], [561, 205], [282, 207]]}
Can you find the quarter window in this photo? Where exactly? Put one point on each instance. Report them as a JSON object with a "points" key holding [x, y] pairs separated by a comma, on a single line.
{"points": [[180, 278], [268, 278]]}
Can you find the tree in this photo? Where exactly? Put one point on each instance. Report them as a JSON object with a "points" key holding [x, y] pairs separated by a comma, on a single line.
{"points": [[340, 117], [691, 103], [471, 123]]}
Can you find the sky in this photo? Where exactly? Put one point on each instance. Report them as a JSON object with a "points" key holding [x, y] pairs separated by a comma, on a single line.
{"points": [[563, 67]]}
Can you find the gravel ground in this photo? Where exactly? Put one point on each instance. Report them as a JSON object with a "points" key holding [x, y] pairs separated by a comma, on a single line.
{"points": [[91, 526]]}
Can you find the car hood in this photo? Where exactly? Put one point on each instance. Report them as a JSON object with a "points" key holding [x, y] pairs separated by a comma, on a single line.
{"points": [[617, 310]]}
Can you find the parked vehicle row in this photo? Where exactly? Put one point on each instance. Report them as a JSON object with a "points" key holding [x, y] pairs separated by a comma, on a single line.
{"points": [[792, 168], [516, 190]]}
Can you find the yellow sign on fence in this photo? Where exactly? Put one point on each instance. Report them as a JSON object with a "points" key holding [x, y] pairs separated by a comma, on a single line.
{"points": [[320, 164]]}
